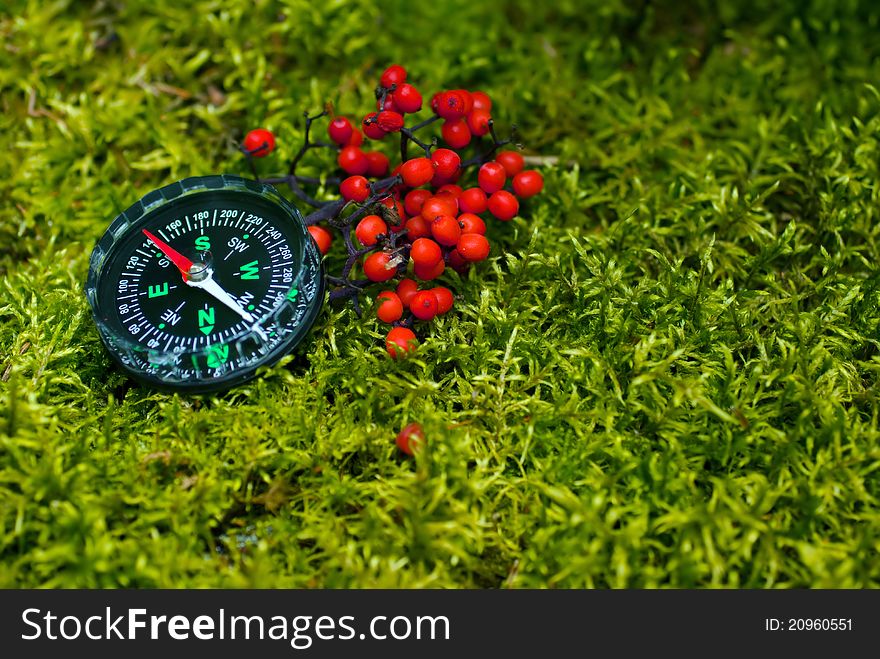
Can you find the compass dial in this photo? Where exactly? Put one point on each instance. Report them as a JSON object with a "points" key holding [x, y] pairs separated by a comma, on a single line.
{"points": [[202, 282]]}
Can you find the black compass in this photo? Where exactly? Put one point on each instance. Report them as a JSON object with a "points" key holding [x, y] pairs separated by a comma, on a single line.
{"points": [[200, 283]]}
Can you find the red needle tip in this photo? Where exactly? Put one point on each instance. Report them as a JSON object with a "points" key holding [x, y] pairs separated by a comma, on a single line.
{"points": [[183, 264]]}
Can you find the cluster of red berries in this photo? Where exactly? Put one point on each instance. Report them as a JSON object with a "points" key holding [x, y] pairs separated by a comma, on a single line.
{"points": [[421, 215]]}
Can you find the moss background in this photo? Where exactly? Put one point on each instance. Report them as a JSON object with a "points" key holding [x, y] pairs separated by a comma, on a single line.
{"points": [[666, 375]]}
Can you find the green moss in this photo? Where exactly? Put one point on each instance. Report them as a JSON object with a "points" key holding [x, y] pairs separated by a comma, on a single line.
{"points": [[666, 374]]}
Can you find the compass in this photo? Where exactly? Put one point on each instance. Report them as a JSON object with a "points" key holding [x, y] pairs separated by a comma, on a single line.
{"points": [[200, 283]]}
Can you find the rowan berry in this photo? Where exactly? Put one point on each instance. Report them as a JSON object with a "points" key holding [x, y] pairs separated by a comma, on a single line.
{"points": [[407, 98], [491, 177], [427, 273], [451, 189], [473, 200], [468, 99], [478, 122], [503, 205], [456, 133], [390, 308], [414, 201], [481, 101], [446, 162], [389, 121], [411, 439], [369, 229], [323, 238], [457, 262], [416, 172], [259, 142], [353, 160], [445, 299], [425, 252], [371, 127], [356, 139], [355, 188], [378, 163], [340, 130], [417, 227], [389, 104], [445, 230], [528, 183], [393, 75], [471, 223], [377, 267], [424, 305], [400, 341], [439, 204], [473, 247], [451, 105], [512, 162], [405, 291]]}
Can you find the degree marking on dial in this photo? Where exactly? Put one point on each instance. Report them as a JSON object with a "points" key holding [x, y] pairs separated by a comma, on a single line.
{"points": [[164, 237]]}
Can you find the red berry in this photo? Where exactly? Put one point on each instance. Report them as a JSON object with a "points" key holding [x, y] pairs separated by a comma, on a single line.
{"points": [[390, 104], [425, 252], [390, 122], [411, 439], [429, 272], [414, 201], [446, 162], [471, 223], [340, 130], [356, 139], [445, 300], [393, 75], [528, 183], [417, 227], [452, 189], [457, 262], [512, 162], [416, 172], [390, 307], [371, 127], [353, 160], [407, 98], [473, 200], [377, 163], [323, 238], [451, 105], [481, 101], [440, 204], [400, 340], [369, 229], [355, 188], [405, 291], [445, 230], [456, 133], [424, 305], [491, 177], [478, 122], [468, 99], [473, 247], [503, 205], [377, 267], [259, 142]]}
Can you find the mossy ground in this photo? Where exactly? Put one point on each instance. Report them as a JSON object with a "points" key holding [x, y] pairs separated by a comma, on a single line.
{"points": [[666, 375]]}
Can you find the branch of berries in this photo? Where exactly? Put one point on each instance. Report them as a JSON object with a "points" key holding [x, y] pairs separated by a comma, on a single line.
{"points": [[418, 213]]}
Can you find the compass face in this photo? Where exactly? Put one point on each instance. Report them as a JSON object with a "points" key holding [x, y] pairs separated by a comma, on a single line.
{"points": [[202, 282]]}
